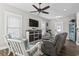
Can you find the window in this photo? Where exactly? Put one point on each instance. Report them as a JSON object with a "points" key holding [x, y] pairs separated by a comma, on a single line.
{"points": [[59, 27], [43, 27], [14, 25]]}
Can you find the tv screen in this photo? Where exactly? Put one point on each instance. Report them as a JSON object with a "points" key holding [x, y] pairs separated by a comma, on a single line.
{"points": [[33, 23]]}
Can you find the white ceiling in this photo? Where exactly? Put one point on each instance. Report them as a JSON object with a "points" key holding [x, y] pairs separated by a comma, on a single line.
{"points": [[56, 9]]}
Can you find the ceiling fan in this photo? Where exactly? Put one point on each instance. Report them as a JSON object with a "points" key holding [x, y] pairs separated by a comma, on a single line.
{"points": [[40, 10]]}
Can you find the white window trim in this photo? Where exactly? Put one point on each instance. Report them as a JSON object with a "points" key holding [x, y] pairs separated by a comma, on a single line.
{"points": [[6, 20]]}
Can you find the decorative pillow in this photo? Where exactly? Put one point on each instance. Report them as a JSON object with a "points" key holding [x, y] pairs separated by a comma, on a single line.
{"points": [[8, 36]]}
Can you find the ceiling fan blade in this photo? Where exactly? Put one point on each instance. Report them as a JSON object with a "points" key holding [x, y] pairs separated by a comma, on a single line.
{"points": [[33, 11], [35, 7], [45, 7], [45, 12]]}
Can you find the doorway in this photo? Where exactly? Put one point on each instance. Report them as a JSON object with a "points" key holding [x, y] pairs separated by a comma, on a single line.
{"points": [[72, 30]]}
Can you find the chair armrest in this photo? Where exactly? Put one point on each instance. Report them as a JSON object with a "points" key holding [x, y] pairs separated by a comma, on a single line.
{"points": [[33, 49]]}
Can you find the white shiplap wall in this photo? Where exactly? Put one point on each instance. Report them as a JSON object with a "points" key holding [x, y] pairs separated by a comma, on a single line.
{"points": [[25, 24]]}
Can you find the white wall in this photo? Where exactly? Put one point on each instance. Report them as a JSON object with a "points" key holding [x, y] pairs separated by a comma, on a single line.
{"points": [[77, 16], [65, 21], [3, 44], [25, 18]]}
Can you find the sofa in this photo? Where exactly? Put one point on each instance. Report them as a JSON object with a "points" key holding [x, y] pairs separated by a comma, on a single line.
{"points": [[52, 47]]}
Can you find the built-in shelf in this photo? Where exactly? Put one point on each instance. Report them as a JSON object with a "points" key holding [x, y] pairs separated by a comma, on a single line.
{"points": [[34, 35]]}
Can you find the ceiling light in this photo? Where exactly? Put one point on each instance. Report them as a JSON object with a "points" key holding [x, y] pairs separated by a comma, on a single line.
{"points": [[58, 16], [65, 9]]}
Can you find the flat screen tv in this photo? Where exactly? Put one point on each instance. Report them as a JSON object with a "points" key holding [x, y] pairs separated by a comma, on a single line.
{"points": [[33, 23]]}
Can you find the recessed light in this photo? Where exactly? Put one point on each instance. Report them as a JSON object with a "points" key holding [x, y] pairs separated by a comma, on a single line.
{"points": [[65, 9], [58, 16]]}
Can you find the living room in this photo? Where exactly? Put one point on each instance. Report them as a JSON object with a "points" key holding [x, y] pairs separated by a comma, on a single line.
{"points": [[21, 22]]}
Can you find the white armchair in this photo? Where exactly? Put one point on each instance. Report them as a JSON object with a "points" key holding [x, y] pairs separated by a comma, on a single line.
{"points": [[18, 47]]}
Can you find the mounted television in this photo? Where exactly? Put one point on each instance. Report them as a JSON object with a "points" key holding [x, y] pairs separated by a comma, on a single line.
{"points": [[33, 23]]}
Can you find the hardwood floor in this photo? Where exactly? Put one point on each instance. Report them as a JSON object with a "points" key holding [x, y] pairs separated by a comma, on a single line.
{"points": [[70, 49]]}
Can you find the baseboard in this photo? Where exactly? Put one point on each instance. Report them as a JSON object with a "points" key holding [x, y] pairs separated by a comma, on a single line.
{"points": [[1, 48], [77, 43]]}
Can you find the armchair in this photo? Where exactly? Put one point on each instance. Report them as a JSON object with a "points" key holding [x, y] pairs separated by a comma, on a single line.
{"points": [[53, 48]]}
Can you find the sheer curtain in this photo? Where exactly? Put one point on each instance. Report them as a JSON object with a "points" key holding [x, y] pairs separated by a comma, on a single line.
{"points": [[14, 25]]}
